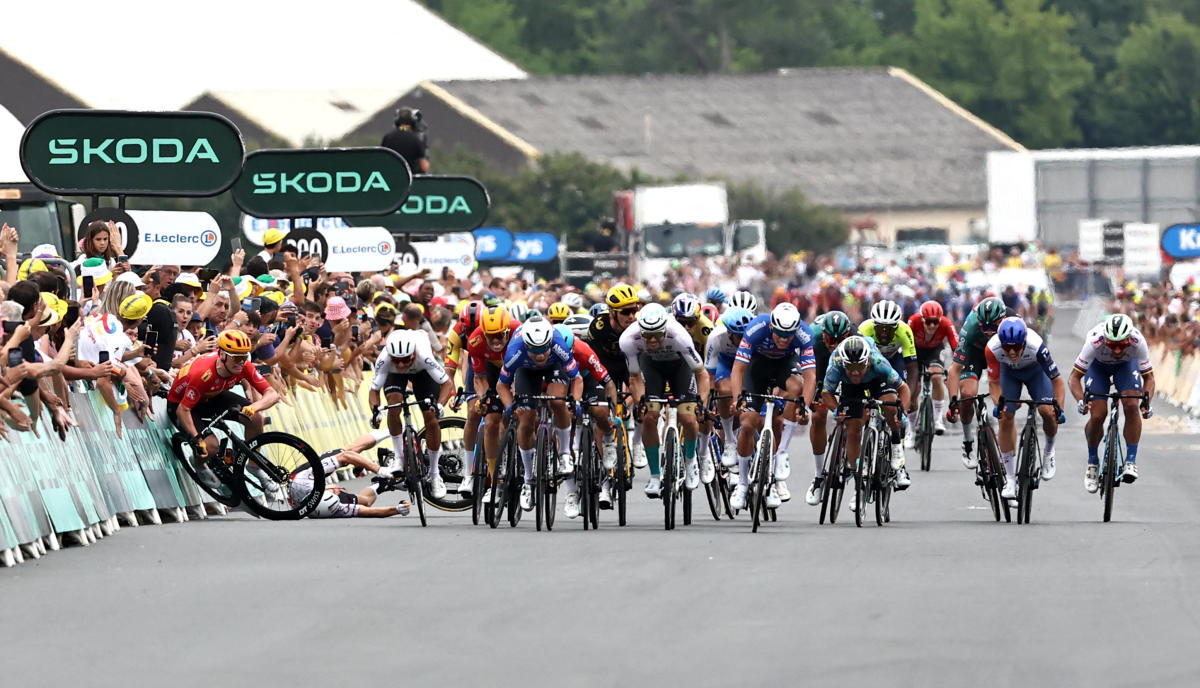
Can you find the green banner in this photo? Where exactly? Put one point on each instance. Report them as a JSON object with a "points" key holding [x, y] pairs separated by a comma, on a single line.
{"points": [[119, 153], [322, 182], [436, 204]]}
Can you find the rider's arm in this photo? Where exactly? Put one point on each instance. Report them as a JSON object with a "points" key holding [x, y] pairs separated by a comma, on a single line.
{"points": [[950, 333], [905, 394], [446, 391]]}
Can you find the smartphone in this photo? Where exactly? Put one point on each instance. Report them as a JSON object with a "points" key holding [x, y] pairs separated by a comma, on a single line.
{"points": [[251, 303], [354, 331], [326, 342], [151, 338], [15, 357], [89, 283], [263, 369], [72, 315], [291, 320], [122, 258], [103, 357], [236, 244]]}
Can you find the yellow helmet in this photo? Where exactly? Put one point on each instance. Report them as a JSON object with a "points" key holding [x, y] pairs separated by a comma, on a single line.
{"points": [[621, 296], [234, 342], [558, 312], [135, 307], [495, 320]]}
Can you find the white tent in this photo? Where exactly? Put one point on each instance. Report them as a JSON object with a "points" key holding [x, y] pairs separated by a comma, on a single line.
{"points": [[10, 144]]}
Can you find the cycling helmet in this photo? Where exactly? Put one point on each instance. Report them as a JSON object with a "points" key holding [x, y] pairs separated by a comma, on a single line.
{"points": [[598, 309], [644, 296], [785, 318], [579, 325], [401, 345], [990, 311], [565, 332], [621, 296], [887, 314], [1118, 327], [743, 299], [736, 320], [652, 318], [932, 310], [854, 351], [710, 311], [836, 325], [686, 306], [573, 300], [234, 342], [558, 312], [715, 295], [495, 320], [519, 310], [330, 505], [537, 334], [468, 317], [1011, 332]]}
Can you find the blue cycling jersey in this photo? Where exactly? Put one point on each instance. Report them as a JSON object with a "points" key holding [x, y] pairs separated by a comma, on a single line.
{"points": [[517, 357], [757, 341], [879, 369]]}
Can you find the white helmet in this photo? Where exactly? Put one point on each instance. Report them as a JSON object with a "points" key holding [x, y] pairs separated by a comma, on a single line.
{"points": [[537, 333], [329, 506], [579, 325], [643, 295], [785, 318], [519, 310], [401, 345], [1118, 327], [652, 318], [743, 299], [573, 300], [887, 313]]}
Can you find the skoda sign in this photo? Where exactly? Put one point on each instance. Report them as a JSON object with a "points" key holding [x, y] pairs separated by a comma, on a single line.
{"points": [[118, 153], [436, 204], [319, 182], [1182, 241]]}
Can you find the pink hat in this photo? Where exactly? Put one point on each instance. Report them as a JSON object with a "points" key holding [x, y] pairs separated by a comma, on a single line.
{"points": [[336, 308]]}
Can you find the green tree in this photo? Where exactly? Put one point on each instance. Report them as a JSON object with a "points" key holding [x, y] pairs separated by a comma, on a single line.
{"points": [[1152, 96], [793, 223]]}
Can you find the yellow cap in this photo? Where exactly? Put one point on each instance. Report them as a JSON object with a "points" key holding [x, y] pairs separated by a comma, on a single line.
{"points": [[135, 307]]}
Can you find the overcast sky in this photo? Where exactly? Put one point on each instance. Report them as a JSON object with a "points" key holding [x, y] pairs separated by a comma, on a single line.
{"points": [[156, 55]]}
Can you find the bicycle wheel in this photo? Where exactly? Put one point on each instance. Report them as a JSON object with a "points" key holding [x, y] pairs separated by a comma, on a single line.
{"points": [[499, 489], [622, 473], [882, 482], [759, 479], [541, 447], [479, 478], [1025, 471], [595, 483], [414, 474], [267, 469], [712, 490], [515, 481], [862, 476], [835, 462], [1110, 474], [222, 493], [583, 475], [993, 480], [669, 468], [451, 464], [687, 506], [925, 435]]}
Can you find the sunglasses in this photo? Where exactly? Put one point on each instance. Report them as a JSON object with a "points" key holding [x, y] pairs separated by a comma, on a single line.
{"points": [[240, 358], [628, 312], [539, 350], [932, 321], [783, 335], [856, 367], [656, 336]]}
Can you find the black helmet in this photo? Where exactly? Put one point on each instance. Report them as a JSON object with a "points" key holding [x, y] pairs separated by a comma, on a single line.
{"points": [[407, 116], [836, 325]]}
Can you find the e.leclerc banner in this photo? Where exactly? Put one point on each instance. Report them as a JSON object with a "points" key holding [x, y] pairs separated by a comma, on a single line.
{"points": [[355, 249], [436, 204], [318, 182], [121, 153], [160, 237]]}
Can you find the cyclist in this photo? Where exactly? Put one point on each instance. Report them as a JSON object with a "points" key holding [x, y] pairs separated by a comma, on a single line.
{"points": [[597, 385], [558, 312], [859, 369], [1042, 303], [486, 346], [539, 357], [720, 352], [456, 345], [968, 364], [776, 351], [574, 301], [604, 335], [337, 502], [893, 338], [1114, 353], [1017, 357], [408, 359], [519, 311], [828, 331], [715, 296], [659, 352], [931, 331], [743, 299], [686, 309], [201, 392]]}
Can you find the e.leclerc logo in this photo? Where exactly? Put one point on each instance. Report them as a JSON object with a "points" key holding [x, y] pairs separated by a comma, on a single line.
{"points": [[385, 248], [208, 238]]}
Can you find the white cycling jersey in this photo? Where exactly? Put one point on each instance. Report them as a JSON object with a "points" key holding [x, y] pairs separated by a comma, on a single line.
{"points": [[1096, 349], [423, 362], [720, 343], [676, 345], [1031, 355]]}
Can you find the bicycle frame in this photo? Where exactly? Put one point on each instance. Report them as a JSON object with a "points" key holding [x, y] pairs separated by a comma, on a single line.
{"points": [[990, 474]]}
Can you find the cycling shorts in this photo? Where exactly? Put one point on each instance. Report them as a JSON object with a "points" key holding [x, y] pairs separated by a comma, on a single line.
{"points": [[528, 381], [897, 361], [853, 395], [207, 409], [1101, 377], [933, 356], [423, 386], [724, 369], [765, 374], [663, 375], [974, 365], [1032, 378], [301, 483]]}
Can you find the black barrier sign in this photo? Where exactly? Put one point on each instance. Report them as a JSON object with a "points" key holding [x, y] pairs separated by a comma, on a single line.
{"points": [[322, 182], [119, 153], [435, 204], [127, 240], [305, 240]]}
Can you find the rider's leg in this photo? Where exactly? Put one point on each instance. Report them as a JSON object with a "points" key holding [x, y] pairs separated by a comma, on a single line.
{"points": [[395, 425], [650, 436], [526, 423], [752, 423], [491, 439], [1098, 382], [1128, 380], [791, 414], [818, 438], [969, 387], [470, 435], [433, 439], [562, 417]]}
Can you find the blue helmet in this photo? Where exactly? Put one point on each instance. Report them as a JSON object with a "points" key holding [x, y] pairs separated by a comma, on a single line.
{"points": [[736, 320], [715, 295], [1011, 332], [686, 306], [566, 333], [597, 310]]}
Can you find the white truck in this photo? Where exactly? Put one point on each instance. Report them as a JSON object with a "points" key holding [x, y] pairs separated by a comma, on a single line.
{"points": [[41, 218], [681, 221]]}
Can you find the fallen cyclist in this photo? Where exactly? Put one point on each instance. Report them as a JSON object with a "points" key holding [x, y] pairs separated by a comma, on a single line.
{"points": [[337, 502]]}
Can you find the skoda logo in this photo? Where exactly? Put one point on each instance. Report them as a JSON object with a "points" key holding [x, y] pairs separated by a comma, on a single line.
{"points": [[208, 237], [385, 248]]}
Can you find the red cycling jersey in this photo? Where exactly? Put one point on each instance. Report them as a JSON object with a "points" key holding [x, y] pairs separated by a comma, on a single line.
{"points": [[481, 355], [945, 330], [198, 380], [589, 362]]}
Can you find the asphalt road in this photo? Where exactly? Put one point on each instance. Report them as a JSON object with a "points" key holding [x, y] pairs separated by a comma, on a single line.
{"points": [[941, 596]]}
